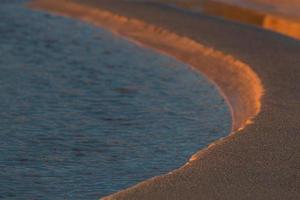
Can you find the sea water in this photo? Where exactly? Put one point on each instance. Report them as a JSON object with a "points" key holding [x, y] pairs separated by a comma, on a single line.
{"points": [[85, 113]]}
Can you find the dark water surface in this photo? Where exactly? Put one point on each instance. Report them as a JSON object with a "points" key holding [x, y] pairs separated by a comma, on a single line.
{"points": [[85, 113]]}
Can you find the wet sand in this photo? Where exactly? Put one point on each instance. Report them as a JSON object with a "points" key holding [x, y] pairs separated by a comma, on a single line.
{"points": [[259, 161], [280, 17], [276, 15], [289, 8]]}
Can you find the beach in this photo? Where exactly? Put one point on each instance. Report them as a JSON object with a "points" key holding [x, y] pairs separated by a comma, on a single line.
{"points": [[256, 70], [288, 8], [83, 110], [279, 16]]}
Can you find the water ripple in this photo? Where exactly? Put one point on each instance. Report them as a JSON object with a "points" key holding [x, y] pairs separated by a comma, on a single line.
{"points": [[84, 113]]}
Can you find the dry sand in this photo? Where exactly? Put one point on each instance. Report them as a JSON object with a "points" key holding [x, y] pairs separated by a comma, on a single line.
{"points": [[260, 161]]}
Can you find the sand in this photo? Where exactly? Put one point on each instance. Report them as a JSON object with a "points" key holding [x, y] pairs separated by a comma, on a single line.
{"points": [[280, 17], [287, 7], [276, 15], [258, 160]]}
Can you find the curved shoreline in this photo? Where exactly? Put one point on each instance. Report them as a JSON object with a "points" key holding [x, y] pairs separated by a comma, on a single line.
{"points": [[242, 92], [239, 163]]}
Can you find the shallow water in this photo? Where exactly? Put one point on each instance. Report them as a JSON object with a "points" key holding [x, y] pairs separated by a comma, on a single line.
{"points": [[85, 113]]}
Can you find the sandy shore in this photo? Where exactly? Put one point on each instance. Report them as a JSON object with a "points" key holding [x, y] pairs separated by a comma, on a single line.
{"points": [[276, 15], [260, 161], [289, 8], [279, 17]]}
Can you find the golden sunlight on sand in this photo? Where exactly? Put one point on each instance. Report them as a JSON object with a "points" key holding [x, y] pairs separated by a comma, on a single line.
{"points": [[239, 85], [276, 15]]}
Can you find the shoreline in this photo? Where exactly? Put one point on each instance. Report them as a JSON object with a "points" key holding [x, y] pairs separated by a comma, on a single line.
{"points": [[241, 162], [212, 63], [277, 22], [267, 15]]}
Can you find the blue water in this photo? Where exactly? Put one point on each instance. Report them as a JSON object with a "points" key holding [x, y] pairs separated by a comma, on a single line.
{"points": [[85, 113]]}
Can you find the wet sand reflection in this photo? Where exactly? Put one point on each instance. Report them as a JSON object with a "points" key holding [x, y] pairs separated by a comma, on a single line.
{"points": [[268, 17]]}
